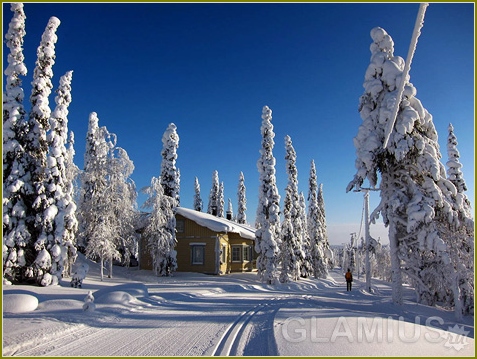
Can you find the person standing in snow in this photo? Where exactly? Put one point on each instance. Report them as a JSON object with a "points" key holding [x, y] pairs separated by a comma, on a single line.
{"points": [[349, 280]]}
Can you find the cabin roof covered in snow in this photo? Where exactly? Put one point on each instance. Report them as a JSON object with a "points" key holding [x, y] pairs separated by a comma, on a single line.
{"points": [[217, 224]]}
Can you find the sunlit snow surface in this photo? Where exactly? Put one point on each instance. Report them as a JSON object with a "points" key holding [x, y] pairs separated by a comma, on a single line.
{"points": [[189, 314]]}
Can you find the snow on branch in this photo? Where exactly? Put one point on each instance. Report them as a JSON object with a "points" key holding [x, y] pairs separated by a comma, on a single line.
{"points": [[407, 67]]}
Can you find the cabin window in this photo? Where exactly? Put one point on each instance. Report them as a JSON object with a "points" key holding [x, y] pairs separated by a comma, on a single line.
{"points": [[236, 253], [198, 254], [246, 253], [180, 226]]}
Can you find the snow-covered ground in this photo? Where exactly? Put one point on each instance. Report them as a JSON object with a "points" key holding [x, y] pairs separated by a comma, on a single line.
{"points": [[138, 314]]}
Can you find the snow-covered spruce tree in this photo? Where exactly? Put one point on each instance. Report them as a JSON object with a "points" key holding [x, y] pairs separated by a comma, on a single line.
{"points": [[93, 177], [169, 180], [267, 236], [462, 238], [160, 241], [169, 172], [60, 221], [324, 231], [221, 208], [315, 230], [291, 251], [16, 235], [306, 268], [13, 109], [213, 205], [197, 199], [71, 193], [455, 175], [242, 200], [416, 198], [36, 145]]}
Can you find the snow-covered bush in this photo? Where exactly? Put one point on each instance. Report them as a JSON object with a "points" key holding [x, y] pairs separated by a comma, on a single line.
{"points": [[80, 270], [89, 305]]}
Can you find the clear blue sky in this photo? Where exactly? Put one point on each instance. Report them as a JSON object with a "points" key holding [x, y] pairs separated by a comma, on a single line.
{"points": [[210, 68]]}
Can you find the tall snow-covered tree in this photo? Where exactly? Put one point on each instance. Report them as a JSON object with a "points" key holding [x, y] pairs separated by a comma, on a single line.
{"points": [[242, 200], [169, 172], [160, 241], [170, 181], [13, 109], [306, 268], [197, 199], [416, 197], [93, 177], [291, 250], [98, 231], [324, 231], [213, 205], [221, 208], [33, 163], [59, 225], [454, 172], [69, 217], [121, 192], [38, 125], [462, 238], [267, 235], [315, 229], [16, 184]]}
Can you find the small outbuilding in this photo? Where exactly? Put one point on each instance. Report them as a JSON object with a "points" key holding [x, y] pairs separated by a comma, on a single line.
{"points": [[209, 244]]}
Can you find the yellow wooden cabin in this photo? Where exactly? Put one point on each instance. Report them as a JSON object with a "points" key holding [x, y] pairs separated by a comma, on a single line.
{"points": [[209, 244]]}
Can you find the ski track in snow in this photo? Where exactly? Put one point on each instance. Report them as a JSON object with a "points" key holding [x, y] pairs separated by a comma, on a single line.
{"points": [[190, 315]]}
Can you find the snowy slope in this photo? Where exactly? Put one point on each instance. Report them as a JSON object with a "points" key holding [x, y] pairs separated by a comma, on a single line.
{"points": [[195, 315]]}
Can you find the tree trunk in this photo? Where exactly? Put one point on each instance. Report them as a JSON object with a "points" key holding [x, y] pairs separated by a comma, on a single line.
{"points": [[396, 275], [110, 275]]}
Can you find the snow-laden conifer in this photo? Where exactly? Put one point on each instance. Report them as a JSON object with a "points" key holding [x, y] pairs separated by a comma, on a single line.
{"points": [[56, 231], [70, 219], [242, 200], [169, 173], [160, 240], [461, 237], [291, 250], [100, 219], [324, 231], [306, 268], [221, 207], [454, 172], [36, 145], [170, 181], [416, 198], [16, 181], [93, 177], [197, 199], [213, 205], [268, 211], [315, 229], [13, 109]]}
